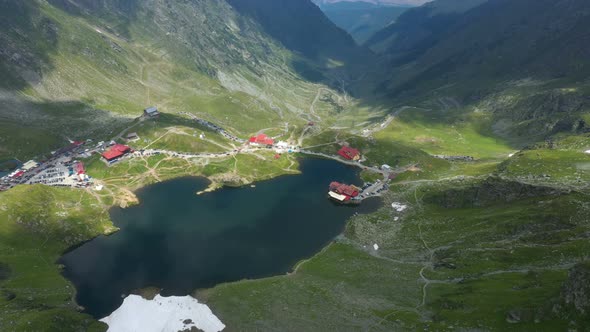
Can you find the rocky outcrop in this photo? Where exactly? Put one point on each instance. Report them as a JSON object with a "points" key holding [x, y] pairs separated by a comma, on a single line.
{"points": [[454, 158], [576, 289], [493, 190], [5, 271]]}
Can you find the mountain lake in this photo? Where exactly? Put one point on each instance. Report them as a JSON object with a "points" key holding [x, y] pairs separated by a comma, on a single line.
{"points": [[178, 241]]}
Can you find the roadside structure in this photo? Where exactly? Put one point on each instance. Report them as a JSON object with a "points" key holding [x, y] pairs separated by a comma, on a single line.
{"points": [[151, 112], [116, 152], [131, 137], [261, 140], [29, 165], [349, 153]]}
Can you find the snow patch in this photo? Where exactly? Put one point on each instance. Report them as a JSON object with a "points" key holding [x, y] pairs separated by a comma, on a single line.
{"points": [[162, 314], [399, 207], [587, 151]]}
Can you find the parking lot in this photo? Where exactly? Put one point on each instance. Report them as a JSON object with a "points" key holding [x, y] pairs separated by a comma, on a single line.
{"points": [[374, 189], [56, 174]]}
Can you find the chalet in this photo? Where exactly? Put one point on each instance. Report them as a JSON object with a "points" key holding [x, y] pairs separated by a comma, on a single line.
{"points": [[151, 112], [349, 153], [116, 152], [261, 139], [132, 137]]}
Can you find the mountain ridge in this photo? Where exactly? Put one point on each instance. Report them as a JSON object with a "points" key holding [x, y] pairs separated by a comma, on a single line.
{"points": [[126, 55], [472, 118], [411, 3], [362, 19]]}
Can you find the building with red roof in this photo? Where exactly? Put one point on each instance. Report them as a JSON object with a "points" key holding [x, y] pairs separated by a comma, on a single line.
{"points": [[349, 153], [343, 189], [261, 139], [116, 151], [80, 168], [18, 174]]}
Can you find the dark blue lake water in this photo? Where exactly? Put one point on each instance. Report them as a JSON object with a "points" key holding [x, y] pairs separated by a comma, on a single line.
{"points": [[7, 166], [178, 241]]}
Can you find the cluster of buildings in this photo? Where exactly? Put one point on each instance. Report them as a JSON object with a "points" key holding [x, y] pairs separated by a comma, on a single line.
{"points": [[79, 171], [21, 171], [261, 140], [56, 170], [343, 193]]}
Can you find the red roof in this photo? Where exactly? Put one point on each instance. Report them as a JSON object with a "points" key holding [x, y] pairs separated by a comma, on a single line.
{"points": [[343, 189], [261, 139], [19, 174], [348, 152], [80, 168], [116, 151]]}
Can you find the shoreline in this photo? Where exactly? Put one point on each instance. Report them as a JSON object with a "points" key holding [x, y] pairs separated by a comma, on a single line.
{"points": [[214, 184]]}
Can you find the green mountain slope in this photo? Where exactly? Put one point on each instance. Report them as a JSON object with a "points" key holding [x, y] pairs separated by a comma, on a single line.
{"points": [[494, 58], [317, 38], [110, 59], [483, 103], [413, 30]]}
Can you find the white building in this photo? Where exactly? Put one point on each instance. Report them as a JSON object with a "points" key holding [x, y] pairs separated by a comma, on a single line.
{"points": [[151, 112], [281, 147], [29, 165]]}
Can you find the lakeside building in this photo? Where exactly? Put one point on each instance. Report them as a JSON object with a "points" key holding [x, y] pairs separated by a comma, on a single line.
{"points": [[29, 165], [343, 192], [349, 153], [116, 152]]}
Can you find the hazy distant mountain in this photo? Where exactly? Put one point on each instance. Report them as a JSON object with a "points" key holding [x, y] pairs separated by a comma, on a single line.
{"points": [[416, 26], [362, 19], [378, 2], [495, 38], [473, 52], [282, 19]]}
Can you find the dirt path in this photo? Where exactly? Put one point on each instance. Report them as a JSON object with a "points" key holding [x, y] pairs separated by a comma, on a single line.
{"points": [[312, 106], [120, 135], [387, 122], [157, 139]]}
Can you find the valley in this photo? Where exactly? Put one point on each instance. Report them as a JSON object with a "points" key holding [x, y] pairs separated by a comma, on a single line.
{"points": [[473, 160]]}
